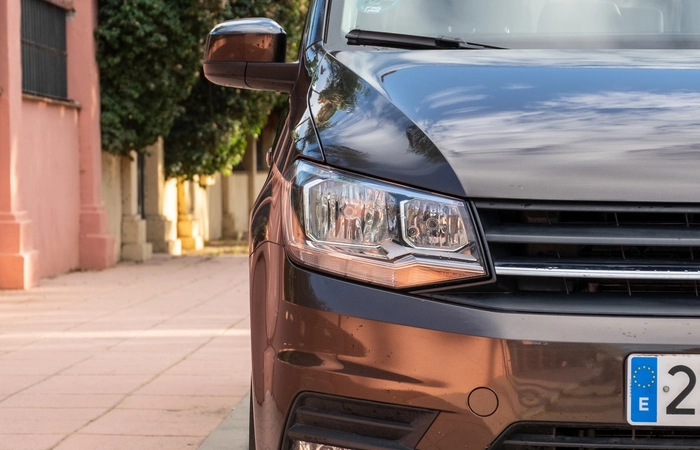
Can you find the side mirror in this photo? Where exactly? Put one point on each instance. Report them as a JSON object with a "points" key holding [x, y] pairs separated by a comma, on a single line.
{"points": [[249, 54]]}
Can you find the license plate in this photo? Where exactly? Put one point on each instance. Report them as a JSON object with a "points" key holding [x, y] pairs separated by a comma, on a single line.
{"points": [[662, 390]]}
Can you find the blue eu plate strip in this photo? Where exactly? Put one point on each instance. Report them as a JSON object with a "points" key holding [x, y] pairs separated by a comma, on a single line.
{"points": [[644, 392]]}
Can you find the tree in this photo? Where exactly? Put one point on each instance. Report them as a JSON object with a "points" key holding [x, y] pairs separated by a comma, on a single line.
{"points": [[149, 55], [212, 133], [211, 136]]}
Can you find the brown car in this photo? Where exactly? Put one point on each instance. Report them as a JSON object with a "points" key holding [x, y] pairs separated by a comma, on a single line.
{"points": [[481, 228]]}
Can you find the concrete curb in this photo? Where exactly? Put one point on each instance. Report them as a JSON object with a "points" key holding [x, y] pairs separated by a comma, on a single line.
{"points": [[232, 434]]}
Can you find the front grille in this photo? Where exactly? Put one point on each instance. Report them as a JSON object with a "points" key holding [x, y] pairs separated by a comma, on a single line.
{"points": [[594, 248], [551, 437], [356, 424]]}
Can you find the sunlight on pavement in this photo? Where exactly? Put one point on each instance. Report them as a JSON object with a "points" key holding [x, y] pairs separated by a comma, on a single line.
{"points": [[126, 334], [141, 356]]}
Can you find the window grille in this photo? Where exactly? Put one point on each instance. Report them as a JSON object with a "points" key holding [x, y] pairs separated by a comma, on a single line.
{"points": [[44, 65]]}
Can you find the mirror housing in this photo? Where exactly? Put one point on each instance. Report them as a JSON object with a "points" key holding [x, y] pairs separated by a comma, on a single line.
{"points": [[249, 54]]}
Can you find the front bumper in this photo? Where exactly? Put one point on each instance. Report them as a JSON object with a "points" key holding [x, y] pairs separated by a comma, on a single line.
{"points": [[314, 333]]}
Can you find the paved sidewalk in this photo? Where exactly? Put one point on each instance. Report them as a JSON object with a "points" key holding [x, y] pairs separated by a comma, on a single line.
{"points": [[142, 356], [233, 432]]}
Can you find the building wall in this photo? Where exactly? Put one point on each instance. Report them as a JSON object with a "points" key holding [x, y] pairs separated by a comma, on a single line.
{"points": [[199, 208], [260, 178], [19, 266], [61, 197], [97, 246], [238, 202], [170, 205], [49, 142], [214, 197], [51, 214], [112, 196], [207, 206]]}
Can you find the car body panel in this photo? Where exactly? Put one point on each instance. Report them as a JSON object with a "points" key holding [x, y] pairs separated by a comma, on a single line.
{"points": [[553, 125], [598, 126], [362, 130], [325, 335]]}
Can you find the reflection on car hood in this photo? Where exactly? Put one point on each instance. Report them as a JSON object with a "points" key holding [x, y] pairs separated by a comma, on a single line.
{"points": [[535, 125]]}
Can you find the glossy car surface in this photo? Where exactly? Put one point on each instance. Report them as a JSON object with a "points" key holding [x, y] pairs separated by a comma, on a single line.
{"points": [[579, 167]]}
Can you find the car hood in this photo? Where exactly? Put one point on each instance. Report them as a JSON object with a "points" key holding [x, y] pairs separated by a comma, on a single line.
{"points": [[517, 124]]}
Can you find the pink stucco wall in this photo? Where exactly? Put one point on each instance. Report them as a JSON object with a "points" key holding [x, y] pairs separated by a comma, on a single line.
{"points": [[51, 213], [18, 258], [49, 139], [97, 246]]}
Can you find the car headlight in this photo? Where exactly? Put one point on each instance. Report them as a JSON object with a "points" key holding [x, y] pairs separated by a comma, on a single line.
{"points": [[378, 232]]}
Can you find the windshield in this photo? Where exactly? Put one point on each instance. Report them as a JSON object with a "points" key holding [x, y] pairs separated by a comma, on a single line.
{"points": [[529, 23]]}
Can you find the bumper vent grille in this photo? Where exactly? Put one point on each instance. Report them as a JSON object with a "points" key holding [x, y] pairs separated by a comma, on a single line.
{"points": [[594, 248], [356, 424], [545, 437]]}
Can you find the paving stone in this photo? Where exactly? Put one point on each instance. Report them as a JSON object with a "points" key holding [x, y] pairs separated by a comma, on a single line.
{"points": [[107, 442], [62, 401], [149, 422], [28, 441], [140, 356], [188, 385]]}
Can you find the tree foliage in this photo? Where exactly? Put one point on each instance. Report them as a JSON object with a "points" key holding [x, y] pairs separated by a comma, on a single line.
{"points": [[212, 133], [149, 54], [211, 136]]}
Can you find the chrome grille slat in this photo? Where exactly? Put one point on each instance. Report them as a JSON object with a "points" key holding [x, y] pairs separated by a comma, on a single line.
{"points": [[534, 269], [623, 249], [590, 235], [587, 207]]}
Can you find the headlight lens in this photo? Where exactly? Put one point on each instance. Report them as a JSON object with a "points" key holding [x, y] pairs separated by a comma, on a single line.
{"points": [[378, 232]]}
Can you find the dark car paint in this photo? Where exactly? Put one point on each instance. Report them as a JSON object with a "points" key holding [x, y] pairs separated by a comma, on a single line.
{"points": [[362, 130], [313, 332], [525, 124], [320, 334]]}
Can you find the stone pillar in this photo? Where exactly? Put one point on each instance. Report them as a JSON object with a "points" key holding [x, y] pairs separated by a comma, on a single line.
{"points": [[18, 258], [207, 194], [239, 194], [134, 245], [97, 246], [251, 166], [19, 262], [228, 222], [187, 227], [161, 230]]}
